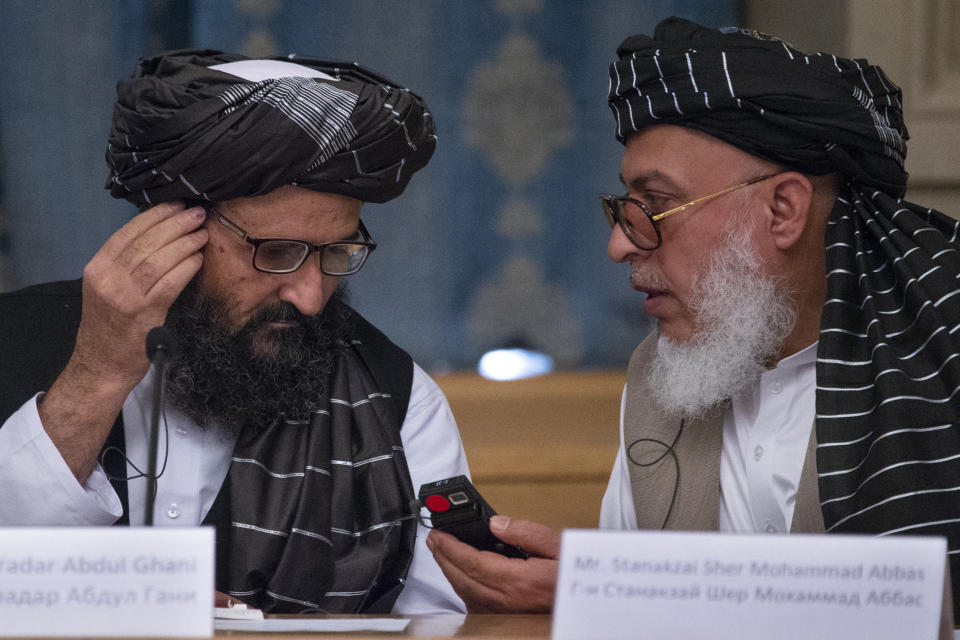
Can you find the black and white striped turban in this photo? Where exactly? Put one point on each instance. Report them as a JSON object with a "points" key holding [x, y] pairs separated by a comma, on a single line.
{"points": [[212, 126], [815, 113], [888, 359]]}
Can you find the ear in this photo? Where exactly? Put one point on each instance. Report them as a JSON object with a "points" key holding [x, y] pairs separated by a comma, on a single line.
{"points": [[790, 203]]}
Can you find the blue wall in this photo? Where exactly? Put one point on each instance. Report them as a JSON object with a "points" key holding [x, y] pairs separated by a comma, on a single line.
{"points": [[499, 239]]}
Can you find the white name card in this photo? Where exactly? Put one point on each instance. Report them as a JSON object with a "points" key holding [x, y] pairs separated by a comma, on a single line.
{"points": [[109, 581], [619, 584]]}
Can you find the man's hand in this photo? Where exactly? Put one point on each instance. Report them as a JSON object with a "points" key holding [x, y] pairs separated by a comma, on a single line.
{"points": [[129, 285], [127, 288], [491, 583]]}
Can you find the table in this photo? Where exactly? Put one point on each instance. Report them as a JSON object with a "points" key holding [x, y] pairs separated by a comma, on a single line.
{"points": [[472, 626], [476, 626]]}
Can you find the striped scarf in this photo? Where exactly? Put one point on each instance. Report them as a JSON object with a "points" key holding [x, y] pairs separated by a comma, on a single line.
{"points": [[888, 371], [314, 516], [888, 359]]}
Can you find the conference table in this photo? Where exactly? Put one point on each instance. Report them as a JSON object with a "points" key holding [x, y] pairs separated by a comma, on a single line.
{"points": [[477, 626]]}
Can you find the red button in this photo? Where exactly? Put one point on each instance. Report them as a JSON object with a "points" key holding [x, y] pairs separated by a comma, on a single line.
{"points": [[437, 503]]}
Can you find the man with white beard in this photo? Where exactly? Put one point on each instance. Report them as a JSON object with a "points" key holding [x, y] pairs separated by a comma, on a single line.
{"points": [[735, 285], [803, 375], [742, 319]]}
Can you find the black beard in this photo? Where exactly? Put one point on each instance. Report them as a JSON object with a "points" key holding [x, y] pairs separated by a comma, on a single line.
{"points": [[252, 376]]}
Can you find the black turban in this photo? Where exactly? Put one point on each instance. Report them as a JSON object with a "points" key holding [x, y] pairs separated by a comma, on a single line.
{"points": [[815, 113], [888, 356], [182, 130]]}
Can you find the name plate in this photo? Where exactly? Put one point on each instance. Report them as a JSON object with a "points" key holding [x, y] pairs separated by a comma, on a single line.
{"points": [[108, 581], [619, 584]]}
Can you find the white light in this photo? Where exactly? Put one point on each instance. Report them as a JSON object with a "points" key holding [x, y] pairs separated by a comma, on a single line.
{"points": [[514, 364]]}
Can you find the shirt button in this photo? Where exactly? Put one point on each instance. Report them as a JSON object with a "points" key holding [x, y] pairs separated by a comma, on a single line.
{"points": [[181, 432], [757, 452], [173, 511], [776, 388], [771, 528]]}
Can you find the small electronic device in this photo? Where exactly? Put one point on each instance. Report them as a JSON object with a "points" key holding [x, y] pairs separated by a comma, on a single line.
{"points": [[456, 507]]}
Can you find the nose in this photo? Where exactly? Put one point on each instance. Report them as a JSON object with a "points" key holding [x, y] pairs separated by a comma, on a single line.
{"points": [[307, 288], [620, 249]]}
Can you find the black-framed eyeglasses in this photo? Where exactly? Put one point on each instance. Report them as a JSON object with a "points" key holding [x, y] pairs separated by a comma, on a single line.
{"points": [[282, 255], [644, 230]]}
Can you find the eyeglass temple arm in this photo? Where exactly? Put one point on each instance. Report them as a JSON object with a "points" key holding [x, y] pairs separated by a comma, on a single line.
{"points": [[229, 225], [660, 216], [370, 242]]}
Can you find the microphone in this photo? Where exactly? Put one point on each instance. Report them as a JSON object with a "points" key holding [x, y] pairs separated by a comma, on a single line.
{"points": [[161, 347]]}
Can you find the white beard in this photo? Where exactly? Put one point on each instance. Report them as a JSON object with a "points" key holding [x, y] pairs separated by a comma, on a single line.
{"points": [[742, 320]]}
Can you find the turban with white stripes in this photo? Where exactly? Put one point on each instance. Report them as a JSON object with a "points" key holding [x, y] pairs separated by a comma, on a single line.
{"points": [[815, 113], [212, 126], [888, 358]]}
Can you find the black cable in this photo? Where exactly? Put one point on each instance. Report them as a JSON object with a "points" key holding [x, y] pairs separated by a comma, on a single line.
{"points": [[417, 506], [669, 449], [140, 473]]}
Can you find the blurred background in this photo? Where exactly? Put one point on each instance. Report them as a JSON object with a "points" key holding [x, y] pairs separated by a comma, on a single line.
{"points": [[499, 241]]}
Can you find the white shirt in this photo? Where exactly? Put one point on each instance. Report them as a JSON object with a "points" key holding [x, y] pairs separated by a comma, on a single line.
{"points": [[40, 490], [765, 434]]}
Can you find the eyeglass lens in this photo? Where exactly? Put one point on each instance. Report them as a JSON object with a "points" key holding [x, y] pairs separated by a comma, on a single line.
{"points": [[633, 221], [282, 256], [343, 258]]}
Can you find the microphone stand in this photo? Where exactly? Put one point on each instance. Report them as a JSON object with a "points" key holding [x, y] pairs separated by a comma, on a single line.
{"points": [[160, 348]]}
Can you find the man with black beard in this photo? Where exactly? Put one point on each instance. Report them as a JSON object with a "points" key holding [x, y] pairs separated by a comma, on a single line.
{"points": [[803, 373], [221, 377], [290, 423]]}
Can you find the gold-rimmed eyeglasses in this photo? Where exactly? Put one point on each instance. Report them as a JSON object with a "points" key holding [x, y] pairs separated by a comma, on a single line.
{"points": [[282, 255], [644, 230]]}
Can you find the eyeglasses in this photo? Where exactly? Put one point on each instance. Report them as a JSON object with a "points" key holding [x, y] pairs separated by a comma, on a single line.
{"points": [[279, 255], [644, 230]]}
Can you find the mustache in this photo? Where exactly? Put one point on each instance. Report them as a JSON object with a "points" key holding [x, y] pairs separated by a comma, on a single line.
{"points": [[642, 276], [280, 312]]}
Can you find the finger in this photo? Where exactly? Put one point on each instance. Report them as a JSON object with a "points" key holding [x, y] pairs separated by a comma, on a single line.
{"points": [[160, 235], [167, 288], [139, 224], [453, 556], [534, 537], [477, 564], [152, 270], [488, 582], [487, 568]]}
